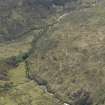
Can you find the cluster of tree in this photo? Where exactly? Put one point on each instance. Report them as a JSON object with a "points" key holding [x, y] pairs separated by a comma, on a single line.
{"points": [[49, 3], [81, 97], [62, 2]]}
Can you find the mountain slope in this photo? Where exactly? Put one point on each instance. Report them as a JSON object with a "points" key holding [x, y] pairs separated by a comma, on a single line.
{"points": [[70, 58], [52, 52]]}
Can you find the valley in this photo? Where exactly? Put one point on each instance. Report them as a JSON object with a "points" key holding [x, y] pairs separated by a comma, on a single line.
{"points": [[52, 52]]}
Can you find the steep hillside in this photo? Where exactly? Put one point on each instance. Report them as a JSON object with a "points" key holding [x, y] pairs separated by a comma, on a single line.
{"points": [[17, 17], [52, 52], [69, 59]]}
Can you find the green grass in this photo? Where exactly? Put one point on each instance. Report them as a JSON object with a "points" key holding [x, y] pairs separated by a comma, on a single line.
{"points": [[18, 75], [15, 48], [69, 57], [24, 91], [27, 94]]}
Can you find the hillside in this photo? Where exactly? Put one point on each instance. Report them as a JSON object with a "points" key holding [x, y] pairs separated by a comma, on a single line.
{"points": [[52, 52]]}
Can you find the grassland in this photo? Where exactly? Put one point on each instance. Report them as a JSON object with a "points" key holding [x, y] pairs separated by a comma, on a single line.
{"points": [[15, 87], [67, 62], [24, 91], [15, 48]]}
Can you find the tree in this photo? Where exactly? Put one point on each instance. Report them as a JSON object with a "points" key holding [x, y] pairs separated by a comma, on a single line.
{"points": [[81, 97], [27, 69]]}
